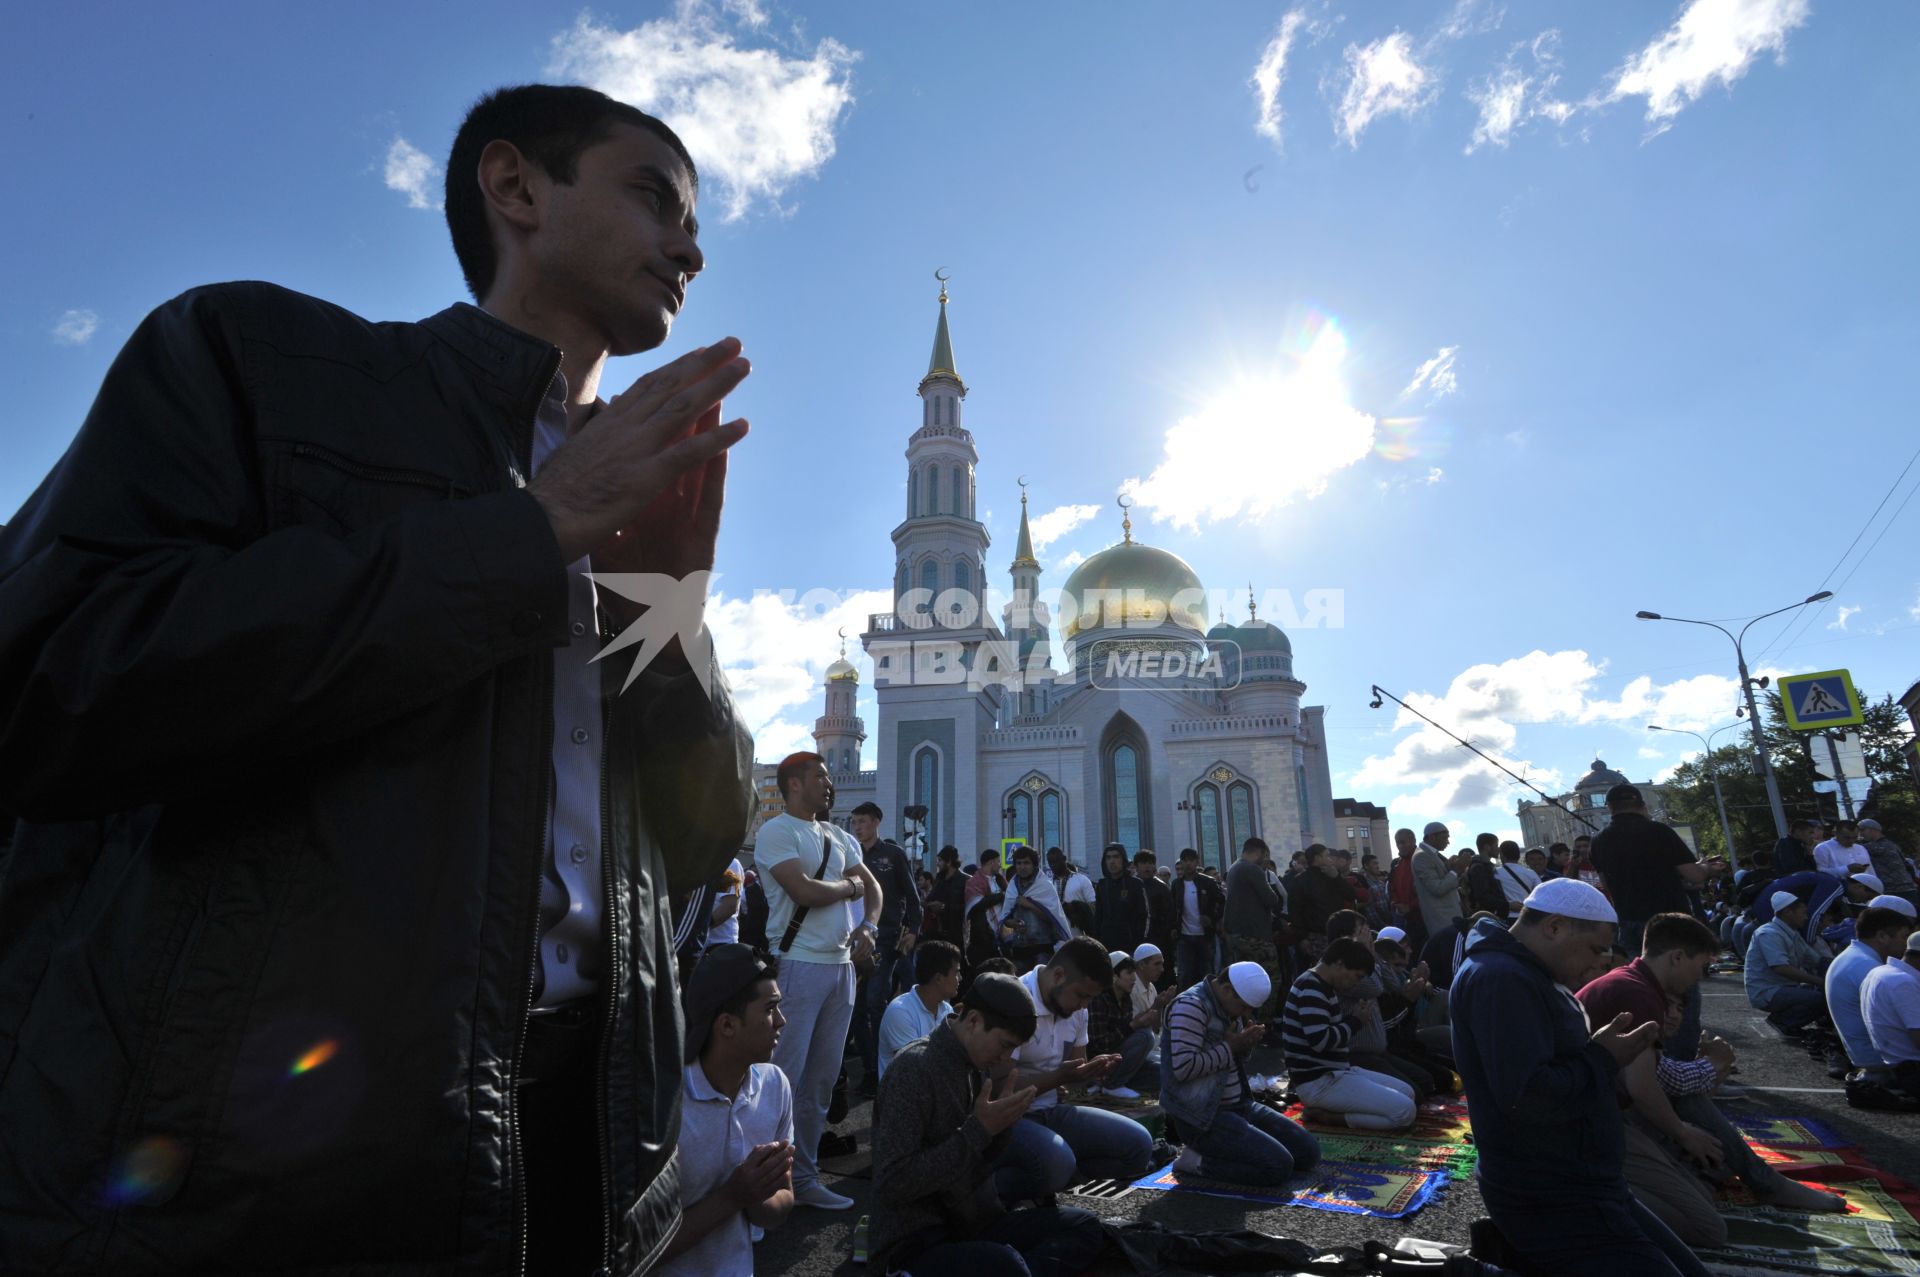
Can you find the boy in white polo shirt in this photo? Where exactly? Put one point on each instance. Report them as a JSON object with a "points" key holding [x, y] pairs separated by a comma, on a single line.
{"points": [[736, 1118]]}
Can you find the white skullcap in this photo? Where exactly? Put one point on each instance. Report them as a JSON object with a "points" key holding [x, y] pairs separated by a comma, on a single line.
{"points": [[1145, 951], [1870, 881], [1895, 903], [1913, 943], [1394, 934], [1571, 898], [1250, 983], [1782, 899], [1434, 827], [1117, 956]]}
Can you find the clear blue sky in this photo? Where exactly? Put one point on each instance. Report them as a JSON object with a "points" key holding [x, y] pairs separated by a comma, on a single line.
{"points": [[1656, 259]]}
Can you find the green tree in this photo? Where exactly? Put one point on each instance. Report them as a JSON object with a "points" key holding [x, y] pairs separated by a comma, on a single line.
{"points": [[1894, 801]]}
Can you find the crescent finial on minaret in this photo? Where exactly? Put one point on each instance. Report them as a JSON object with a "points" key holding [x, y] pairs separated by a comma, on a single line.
{"points": [[1125, 503], [943, 275]]}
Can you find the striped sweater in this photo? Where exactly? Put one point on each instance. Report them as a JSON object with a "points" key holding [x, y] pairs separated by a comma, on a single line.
{"points": [[1314, 1035], [1188, 1054]]}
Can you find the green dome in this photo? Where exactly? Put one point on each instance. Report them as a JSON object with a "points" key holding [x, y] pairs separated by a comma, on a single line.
{"points": [[1261, 636], [1141, 585]]}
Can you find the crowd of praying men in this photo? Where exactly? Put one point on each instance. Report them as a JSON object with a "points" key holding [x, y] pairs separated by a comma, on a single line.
{"points": [[1049, 1011]]}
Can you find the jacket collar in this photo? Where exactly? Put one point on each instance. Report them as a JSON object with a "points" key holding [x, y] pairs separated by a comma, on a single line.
{"points": [[508, 359]]}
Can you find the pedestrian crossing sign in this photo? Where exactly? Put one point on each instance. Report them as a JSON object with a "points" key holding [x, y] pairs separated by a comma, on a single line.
{"points": [[1815, 702]]}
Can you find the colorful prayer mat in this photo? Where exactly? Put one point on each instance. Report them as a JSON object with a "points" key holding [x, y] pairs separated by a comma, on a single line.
{"points": [[1788, 1132], [1440, 1120], [1384, 1192], [1369, 1149], [1762, 1240]]}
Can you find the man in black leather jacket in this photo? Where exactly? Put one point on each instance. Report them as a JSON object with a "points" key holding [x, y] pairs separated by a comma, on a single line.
{"points": [[285, 639]]}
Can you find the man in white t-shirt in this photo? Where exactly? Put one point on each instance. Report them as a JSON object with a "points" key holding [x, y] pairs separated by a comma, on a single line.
{"points": [[1515, 879], [1074, 887], [725, 928], [736, 1118], [1842, 855], [812, 870], [1057, 1142]]}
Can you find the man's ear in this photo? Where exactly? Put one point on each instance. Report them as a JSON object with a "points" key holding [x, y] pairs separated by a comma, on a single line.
{"points": [[506, 180]]}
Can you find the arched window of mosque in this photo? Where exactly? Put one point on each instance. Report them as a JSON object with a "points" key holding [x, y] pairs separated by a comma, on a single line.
{"points": [[1240, 815], [959, 492], [930, 579], [1022, 807], [1051, 830], [913, 493], [1125, 763], [962, 575], [926, 788], [1300, 785], [900, 574], [1206, 801]]}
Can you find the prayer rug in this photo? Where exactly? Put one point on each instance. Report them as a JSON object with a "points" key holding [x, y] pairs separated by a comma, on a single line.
{"points": [[1788, 1132], [1440, 1120], [1765, 1241], [1371, 1149], [1384, 1192]]}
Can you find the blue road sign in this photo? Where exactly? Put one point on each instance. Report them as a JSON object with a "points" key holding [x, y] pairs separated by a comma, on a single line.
{"points": [[1815, 702]]}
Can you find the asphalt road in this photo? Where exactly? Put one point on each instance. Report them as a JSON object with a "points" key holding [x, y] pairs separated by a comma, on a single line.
{"points": [[1780, 1078]]}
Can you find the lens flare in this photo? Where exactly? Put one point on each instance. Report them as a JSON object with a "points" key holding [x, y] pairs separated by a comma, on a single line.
{"points": [[150, 1168], [317, 1055]]}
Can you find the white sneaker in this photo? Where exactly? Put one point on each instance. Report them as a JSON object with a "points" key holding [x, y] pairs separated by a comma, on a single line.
{"points": [[1093, 1088], [1188, 1163], [1120, 1093], [820, 1197]]}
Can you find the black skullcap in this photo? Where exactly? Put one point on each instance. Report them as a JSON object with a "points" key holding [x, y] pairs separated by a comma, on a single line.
{"points": [[723, 970]]}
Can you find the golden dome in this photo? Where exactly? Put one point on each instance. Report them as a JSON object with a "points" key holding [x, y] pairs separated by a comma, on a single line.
{"points": [[1131, 584], [842, 671]]}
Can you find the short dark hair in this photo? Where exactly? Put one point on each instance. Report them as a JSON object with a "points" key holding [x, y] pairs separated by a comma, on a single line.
{"points": [[790, 768], [1486, 840], [1881, 919], [1801, 822], [1351, 954], [948, 852], [1145, 858], [1557, 848], [1344, 922], [1003, 965], [549, 124], [934, 958], [1021, 1025], [1188, 853], [1624, 795], [1024, 852], [1509, 852], [1085, 957], [868, 809], [1669, 931], [989, 854], [1255, 845], [1314, 852]]}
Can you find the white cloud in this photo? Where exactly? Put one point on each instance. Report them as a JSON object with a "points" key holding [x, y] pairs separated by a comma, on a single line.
{"points": [[1270, 72], [1056, 523], [1489, 703], [776, 649], [1839, 622], [1436, 375], [756, 120], [414, 174], [75, 328], [1289, 434], [1712, 41], [1382, 78], [1434, 475], [1512, 93], [1518, 438], [1069, 561]]}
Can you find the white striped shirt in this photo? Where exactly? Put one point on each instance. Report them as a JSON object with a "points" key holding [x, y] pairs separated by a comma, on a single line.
{"points": [[1314, 1035]]}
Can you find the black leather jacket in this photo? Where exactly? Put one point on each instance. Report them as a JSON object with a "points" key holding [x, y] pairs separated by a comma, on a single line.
{"points": [[276, 646]]}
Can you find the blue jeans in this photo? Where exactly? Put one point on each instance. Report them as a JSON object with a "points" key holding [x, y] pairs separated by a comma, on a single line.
{"points": [[1139, 1065], [1253, 1144], [1796, 1006], [1193, 960], [1041, 1242], [1085, 1143], [1596, 1239]]}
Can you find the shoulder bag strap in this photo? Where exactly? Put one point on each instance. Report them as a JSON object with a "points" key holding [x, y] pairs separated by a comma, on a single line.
{"points": [[800, 911]]}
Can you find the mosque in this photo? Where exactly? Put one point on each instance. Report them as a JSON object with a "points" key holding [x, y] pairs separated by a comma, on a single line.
{"points": [[1160, 733]]}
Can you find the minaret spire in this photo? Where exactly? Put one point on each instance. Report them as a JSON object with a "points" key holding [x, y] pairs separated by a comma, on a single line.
{"points": [[1023, 550], [940, 365]]}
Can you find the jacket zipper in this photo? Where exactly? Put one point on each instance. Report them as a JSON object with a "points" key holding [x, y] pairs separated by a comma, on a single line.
{"points": [[380, 474], [611, 978], [519, 1154]]}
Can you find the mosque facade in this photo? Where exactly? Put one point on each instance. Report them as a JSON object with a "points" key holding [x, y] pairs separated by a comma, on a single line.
{"points": [[1160, 732]]}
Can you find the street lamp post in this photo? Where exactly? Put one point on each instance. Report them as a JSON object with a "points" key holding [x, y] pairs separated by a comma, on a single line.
{"points": [[1761, 762], [1713, 773]]}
